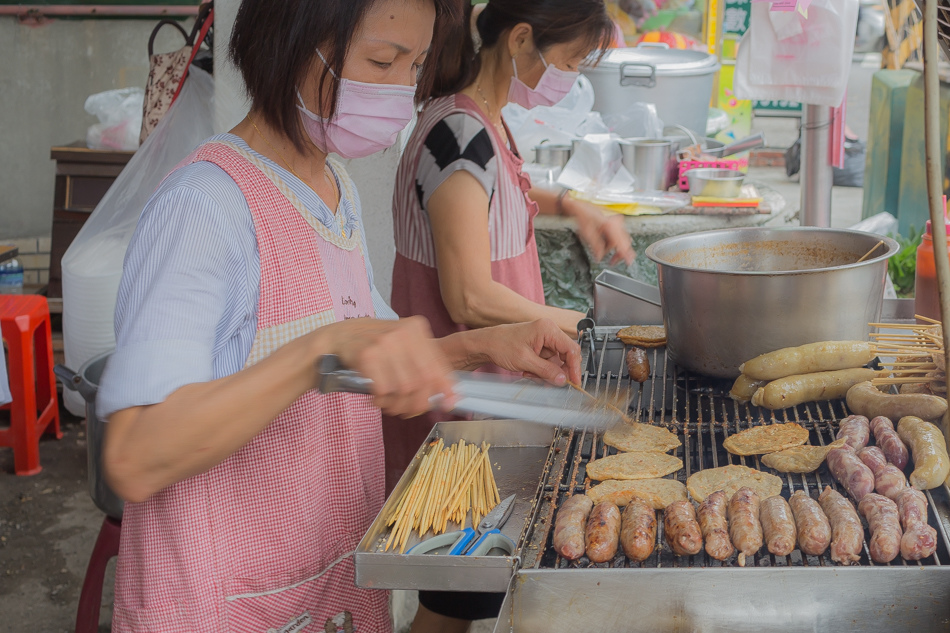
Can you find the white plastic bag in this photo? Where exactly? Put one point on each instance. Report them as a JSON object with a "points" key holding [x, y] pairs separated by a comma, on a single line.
{"points": [[638, 120], [120, 119], [785, 56], [596, 166], [92, 266]]}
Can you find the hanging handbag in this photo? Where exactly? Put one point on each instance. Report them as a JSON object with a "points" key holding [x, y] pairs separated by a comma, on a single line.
{"points": [[167, 71]]}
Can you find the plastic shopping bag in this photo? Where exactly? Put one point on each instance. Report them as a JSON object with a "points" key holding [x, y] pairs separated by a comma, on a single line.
{"points": [[785, 56], [120, 117], [92, 266]]}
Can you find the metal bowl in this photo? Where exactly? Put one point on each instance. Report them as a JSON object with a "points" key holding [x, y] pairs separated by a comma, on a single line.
{"points": [[710, 182], [733, 294]]}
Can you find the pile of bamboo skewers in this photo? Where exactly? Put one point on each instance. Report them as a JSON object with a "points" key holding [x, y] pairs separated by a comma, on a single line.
{"points": [[449, 482], [918, 353]]}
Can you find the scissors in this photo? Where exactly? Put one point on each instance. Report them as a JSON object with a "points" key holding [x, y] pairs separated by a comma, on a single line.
{"points": [[477, 541]]}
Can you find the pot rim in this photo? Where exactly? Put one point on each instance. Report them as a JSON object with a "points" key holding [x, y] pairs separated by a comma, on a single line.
{"points": [[892, 248]]}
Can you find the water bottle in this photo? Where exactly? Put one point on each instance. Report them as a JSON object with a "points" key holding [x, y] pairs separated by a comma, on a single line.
{"points": [[11, 277]]}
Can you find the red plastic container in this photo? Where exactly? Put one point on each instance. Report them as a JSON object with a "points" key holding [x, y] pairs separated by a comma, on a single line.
{"points": [[926, 295]]}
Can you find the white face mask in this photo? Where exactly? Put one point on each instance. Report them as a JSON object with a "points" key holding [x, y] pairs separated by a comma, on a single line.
{"points": [[552, 87], [368, 117]]}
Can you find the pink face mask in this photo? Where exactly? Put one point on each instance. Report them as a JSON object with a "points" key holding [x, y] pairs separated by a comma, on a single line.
{"points": [[368, 118], [552, 87]]}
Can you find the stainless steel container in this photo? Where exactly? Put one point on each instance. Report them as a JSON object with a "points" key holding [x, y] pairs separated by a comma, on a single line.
{"points": [[621, 300], [733, 294], [86, 382], [678, 82], [649, 160], [552, 155], [715, 183]]}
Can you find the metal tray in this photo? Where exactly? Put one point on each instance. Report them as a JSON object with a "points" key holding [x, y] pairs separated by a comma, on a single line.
{"points": [[621, 300], [518, 452]]}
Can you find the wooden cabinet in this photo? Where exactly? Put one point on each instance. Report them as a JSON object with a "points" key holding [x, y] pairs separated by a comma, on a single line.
{"points": [[83, 176]]}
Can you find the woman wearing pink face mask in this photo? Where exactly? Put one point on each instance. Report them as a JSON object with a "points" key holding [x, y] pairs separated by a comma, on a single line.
{"points": [[247, 490], [463, 209]]}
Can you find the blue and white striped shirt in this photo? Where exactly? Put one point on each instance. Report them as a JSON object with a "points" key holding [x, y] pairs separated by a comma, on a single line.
{"points": [[186, 310]]}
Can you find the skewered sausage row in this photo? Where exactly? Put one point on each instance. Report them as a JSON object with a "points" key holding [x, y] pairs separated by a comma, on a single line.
{"points": [[847, 533], [889, 441], [778, 525], [814, 529], [712, 521], [569, 527], [744, 525], [638, 530], [884, 523], [888, 479], [681, 528], [603, 532]]}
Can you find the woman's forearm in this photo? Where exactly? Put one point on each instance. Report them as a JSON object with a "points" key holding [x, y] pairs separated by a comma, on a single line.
{"points": [[478, 306], [199, 425]]}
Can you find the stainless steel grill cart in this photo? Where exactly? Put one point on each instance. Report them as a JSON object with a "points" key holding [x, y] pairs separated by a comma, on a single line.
{"points": [[665, 592]]}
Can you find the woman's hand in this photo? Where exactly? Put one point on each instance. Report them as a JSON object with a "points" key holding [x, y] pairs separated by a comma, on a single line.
{"points": [[601, 233], [538, 349], [407, 366]]}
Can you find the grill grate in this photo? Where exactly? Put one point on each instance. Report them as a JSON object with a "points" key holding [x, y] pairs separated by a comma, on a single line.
{"points": [[702, 414]]}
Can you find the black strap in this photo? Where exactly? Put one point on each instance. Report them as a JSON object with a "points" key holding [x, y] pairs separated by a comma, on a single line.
{"points": [[151, 39]]}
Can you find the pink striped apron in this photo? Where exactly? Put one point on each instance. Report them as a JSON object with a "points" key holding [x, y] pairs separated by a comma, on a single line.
{"points": [[263, 541], [416, 289]]}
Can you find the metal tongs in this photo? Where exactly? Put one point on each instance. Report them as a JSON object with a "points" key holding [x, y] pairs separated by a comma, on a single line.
{"points": [[493, 396]]}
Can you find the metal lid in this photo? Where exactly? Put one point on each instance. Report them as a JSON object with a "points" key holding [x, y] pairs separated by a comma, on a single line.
{"points": [[667, 61]]}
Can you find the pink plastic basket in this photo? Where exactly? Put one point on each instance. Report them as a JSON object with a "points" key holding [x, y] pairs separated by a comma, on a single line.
{"points": [[686, 165]]}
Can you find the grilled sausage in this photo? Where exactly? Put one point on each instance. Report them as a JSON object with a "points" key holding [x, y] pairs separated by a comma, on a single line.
{"points": [[856, 478], [681, 528], [889, 441], [794, 390], [744, 526], [638, 530], [603, 532], [569, 526], [919, 540], [814, 529], [929, 451], [884, 523], [638, 364], [847, 533], [867, 400], [712, 521], [888, 478], [778, 525], [806, 359], [744, 388], [855, 431]]}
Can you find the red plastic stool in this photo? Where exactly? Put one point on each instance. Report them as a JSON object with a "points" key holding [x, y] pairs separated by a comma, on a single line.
{"points": [[24, 321], [90, 600]]}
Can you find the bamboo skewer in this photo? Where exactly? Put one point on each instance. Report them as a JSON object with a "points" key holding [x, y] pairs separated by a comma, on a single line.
{"points": [[868, 254]]}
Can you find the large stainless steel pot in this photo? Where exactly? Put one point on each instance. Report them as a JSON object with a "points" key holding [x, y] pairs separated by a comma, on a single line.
{"points": [[678, 82], [732, 294], [86, 382]]}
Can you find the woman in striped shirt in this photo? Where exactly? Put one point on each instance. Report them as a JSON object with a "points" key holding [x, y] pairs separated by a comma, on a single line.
{"points": [[465, 250]]}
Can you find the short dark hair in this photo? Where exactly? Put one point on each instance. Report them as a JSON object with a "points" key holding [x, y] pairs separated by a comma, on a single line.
{"points": [[552, 22], [274, 44]]}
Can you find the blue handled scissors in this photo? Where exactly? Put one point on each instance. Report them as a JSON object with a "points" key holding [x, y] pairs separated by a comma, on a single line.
{"points": [[482, 540]]}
